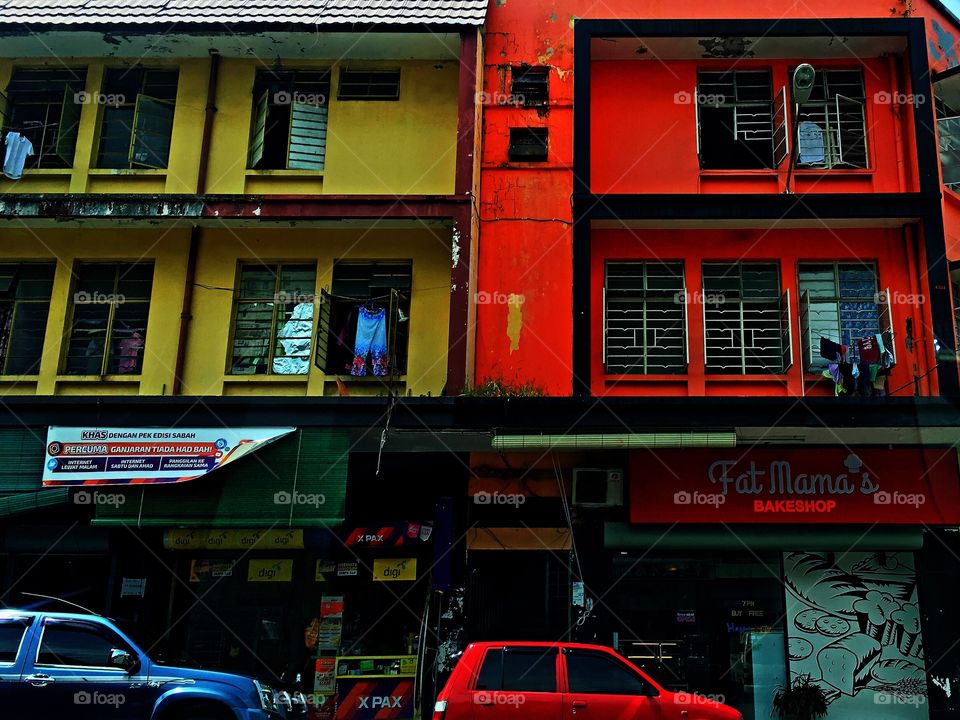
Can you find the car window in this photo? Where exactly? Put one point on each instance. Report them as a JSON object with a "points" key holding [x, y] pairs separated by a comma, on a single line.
{"points": [[77, 644], [519, 670], [11, 635], [598, 674]]}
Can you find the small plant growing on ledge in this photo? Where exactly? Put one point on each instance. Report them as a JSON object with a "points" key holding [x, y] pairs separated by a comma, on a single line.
{"points": [[499, 388], [802, 699]]}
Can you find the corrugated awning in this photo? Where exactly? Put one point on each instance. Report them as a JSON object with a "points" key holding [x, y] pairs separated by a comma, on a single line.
{"points": [[297, 481]]}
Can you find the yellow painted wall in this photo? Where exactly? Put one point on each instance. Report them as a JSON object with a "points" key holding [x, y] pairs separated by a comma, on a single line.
{"points": [[220, 250], [402, 147]]}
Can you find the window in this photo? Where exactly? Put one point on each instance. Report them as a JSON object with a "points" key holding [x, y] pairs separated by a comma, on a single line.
{"points": [[841, 302], [948, 131], [528, 145], [832, 125], [44, 106], [108, 329], [369, 84], [290, 120], [77, 645], [25, 291], [739, 126], [273, 320], [746, 319], [530, 85], [137, 117], [519, 670], [369, 287], [644, 323], [597, 674], [12, 631]]}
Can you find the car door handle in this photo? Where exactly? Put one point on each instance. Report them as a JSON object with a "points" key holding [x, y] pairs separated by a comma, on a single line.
{"points": [[38, 680], [579, 704]]}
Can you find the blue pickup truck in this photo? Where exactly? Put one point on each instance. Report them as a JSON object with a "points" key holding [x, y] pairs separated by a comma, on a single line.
{"points": [[82, 667]]}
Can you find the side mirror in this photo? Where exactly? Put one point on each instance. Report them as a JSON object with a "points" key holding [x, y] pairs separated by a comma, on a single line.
{"points": [[123, 659]]}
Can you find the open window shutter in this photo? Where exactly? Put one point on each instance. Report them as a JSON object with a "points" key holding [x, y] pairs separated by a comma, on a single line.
{"points": [[781, 128], [4, 119], [806, 336], [603, 346], [851, 132], [392, 313], [786, 331], [324, 330], [69, 123], [258, 139], [308, 137], [696, 111], [152, 129], [886, 325]]}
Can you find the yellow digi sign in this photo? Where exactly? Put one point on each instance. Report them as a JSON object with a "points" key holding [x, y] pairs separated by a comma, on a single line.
{"points": [[389, 570], [270, 571]]}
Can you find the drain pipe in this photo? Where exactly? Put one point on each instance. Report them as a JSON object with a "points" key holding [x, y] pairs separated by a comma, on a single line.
{"points": [[195, 231]]}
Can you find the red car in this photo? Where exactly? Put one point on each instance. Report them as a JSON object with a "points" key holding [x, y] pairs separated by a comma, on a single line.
{"points": [[561, 681]]}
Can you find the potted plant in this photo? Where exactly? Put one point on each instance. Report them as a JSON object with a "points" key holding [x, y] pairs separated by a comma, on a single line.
{"points": [[802, 699]]}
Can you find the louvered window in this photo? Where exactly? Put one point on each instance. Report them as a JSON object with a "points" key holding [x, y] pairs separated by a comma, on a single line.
{"points": [[530, 86], [44, 106], [290, 120], [644, 322], [25, 292], [746, 319], [369, 84], [528, 145], [832, 125], [840, 302], [137, 122], [737, 120]]}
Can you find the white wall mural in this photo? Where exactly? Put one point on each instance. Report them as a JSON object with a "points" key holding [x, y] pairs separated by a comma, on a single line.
{"points": [[854, 628]]}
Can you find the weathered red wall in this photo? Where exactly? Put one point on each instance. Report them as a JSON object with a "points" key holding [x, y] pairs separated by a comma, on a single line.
{"points": [[526, 238]]}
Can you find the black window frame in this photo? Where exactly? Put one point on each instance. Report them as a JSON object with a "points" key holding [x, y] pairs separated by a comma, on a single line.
{"points": [[283, 301], [138, 92], [278, 97], [113, 361], [45, 106], [13, 303], [645, 686]]}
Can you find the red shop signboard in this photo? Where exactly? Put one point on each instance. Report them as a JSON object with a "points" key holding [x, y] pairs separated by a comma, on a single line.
{"points": [[796, 485]]}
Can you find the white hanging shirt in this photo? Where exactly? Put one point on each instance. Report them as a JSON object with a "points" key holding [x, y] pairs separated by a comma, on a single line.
{"points": [[19, 149]]}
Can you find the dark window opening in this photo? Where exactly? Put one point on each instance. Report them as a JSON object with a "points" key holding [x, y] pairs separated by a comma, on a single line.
{"points": [[108, 327], [25, 292], [519, 670], [594, 673], [528, 144], [735, 111], [273, 319], [11, 636], [44, 106], [78, 645], [290, 120], [530, 85], [137, 117], [369, 289], [369, 85]]}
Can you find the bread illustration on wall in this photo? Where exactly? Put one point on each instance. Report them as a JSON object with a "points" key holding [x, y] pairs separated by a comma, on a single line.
{"points": [[886, 573], [899, 677], [846, 663], [820, 584], [874, 616], [799, 649], [906, 623]]}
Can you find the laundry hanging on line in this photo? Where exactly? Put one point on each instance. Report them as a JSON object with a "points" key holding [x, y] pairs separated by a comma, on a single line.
{"points": [[19, 148]]}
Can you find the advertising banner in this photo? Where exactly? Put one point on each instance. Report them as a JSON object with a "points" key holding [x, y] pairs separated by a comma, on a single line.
{"points": [[125, 456], [270, 571], [796, 485], [184, 539], [395, 569], [374, 699]]}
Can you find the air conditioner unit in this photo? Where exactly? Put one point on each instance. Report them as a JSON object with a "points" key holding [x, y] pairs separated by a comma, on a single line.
{"points": [[597, 487]]}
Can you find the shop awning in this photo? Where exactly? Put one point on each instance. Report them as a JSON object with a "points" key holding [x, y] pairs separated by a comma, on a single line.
{"points": [[622, 536], [297, 481]]}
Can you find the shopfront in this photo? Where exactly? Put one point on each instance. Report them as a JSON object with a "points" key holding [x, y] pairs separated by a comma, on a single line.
{"points": [[739, 570]]}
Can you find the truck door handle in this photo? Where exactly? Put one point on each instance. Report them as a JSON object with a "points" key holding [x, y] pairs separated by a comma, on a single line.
{"points": [[39, 680], [579, 704]]}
